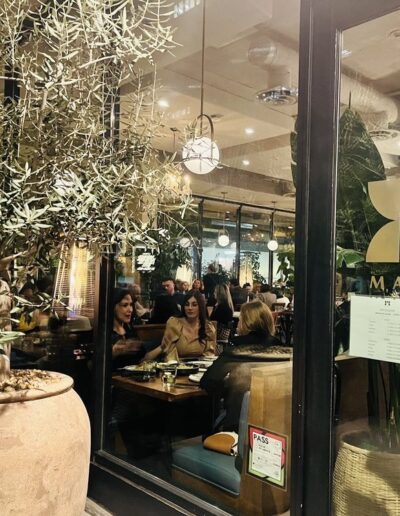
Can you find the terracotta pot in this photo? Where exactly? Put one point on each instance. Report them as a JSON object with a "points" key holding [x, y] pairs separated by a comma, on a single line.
{"points": [[44, 451], [365, 482]]}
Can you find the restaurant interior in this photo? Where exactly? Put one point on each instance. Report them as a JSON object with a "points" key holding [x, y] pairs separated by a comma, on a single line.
{"points": [[230, 86]]}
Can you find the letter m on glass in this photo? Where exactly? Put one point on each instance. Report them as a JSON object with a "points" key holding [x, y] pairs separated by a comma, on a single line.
{"points": [[385, 245]]}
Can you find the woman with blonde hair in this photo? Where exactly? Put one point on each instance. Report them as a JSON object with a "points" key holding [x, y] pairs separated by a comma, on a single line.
{"points": [[222, 311], [230, 375], [255, 320]]}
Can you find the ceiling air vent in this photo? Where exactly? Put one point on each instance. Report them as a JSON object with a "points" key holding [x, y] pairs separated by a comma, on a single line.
{"points": [[278, 96]]}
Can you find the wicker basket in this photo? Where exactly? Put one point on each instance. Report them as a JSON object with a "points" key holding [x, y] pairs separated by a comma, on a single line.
{"points": [[365, 483]]}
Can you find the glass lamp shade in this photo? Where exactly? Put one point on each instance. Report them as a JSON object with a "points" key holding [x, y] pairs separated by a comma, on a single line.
{"points": [[185, 242], [223, 238], [272, 245], [200, 155]]}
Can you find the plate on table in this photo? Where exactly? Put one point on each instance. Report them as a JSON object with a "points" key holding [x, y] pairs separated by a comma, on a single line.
{"points": [[202, 364], [138, 372], [187, 369], [195, 378], [166, 366]]}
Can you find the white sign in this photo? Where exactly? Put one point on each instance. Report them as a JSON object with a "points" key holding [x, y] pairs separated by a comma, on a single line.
{"points": [[375, 328], [145, 262], [266, 458]]}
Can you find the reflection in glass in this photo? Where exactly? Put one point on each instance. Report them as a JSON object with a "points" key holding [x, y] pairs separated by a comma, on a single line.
{"points": [[368, 236]]}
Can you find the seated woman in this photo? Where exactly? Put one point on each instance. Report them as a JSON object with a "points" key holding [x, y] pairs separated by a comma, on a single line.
{"points": [[137, 420], [222, 311], [230, 375], [126, 348], [190, 335], [198, 285]]}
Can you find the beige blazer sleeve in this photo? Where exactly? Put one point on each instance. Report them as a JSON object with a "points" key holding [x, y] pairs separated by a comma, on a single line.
{"points": [[211, 339], [171, 336]]}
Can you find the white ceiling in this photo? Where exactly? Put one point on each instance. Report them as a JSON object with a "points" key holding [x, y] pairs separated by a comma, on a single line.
{"points": [[232, 81]]}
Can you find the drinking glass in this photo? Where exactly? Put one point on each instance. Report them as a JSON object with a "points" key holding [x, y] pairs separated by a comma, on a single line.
{"points": [[168, 378]]}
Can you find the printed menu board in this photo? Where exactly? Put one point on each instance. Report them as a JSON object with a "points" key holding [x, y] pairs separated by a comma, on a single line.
{"points": [[375, 328]]}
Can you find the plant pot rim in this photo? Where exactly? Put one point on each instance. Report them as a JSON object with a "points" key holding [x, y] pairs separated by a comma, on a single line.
{"points": [[61, 384], [346, 442]]}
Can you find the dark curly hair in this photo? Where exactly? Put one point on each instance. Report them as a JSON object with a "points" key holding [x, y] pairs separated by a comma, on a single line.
{"points": [[202, 311]]}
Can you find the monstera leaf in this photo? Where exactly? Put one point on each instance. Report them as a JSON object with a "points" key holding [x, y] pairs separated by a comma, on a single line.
{"points": [[359, 163]]}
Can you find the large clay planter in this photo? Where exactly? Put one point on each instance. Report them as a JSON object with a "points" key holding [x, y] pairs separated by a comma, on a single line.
{"points": [[44, 451], [365, 482]]}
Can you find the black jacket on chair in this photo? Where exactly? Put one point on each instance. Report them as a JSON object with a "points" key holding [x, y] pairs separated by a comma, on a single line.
{"points": [[230, 375]]}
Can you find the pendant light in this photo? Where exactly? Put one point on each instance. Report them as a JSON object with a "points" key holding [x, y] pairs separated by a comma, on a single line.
{"points": [[273, 243], [223, 235], [200, 153]]}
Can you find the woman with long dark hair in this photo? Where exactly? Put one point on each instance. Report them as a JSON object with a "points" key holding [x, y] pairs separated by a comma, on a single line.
{"points": [[191, 335], [126, 348], [198, 285]]}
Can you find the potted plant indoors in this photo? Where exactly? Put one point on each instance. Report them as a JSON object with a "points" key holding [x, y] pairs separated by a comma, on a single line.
{"points": [[68, 173]]}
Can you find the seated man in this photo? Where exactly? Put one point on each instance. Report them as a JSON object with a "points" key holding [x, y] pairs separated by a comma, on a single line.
{"points": [[239, 295], [168, 304]]}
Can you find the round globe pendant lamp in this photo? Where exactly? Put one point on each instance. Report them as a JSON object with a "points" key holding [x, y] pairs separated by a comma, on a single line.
{"points": [[200, 153], [185, 242], [272, 243], [223, 235], [223, 238]]}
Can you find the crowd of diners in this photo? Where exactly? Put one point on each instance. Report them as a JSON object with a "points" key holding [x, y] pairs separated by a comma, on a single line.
{"points": [[200, 323]]}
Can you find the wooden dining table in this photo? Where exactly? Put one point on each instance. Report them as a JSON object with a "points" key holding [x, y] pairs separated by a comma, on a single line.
{"points": [[182, 390]]}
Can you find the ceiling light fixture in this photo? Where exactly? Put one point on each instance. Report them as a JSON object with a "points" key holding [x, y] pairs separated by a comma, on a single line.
{"points": [[200, 153], [185, 242], [273, 243], [246, 162], [249, 130], [278, 96], [223, 235], [163, 103]]}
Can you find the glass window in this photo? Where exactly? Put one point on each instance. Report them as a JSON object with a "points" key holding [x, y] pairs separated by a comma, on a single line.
{"points": [[170, 387], [367, 285], [219, 238]]}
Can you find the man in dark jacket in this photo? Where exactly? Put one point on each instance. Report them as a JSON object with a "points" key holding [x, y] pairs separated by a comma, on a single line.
{"points": [[210, 280], [168, 304], [239, 295]]}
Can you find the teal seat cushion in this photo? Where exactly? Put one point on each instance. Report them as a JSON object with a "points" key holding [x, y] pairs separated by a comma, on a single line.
{"points": [[212, 467]]}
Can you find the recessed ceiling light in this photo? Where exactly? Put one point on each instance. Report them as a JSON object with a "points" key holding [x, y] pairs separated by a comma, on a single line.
{"points": [[246, 162], [290, 227], [249, 130], [163, 103]]}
